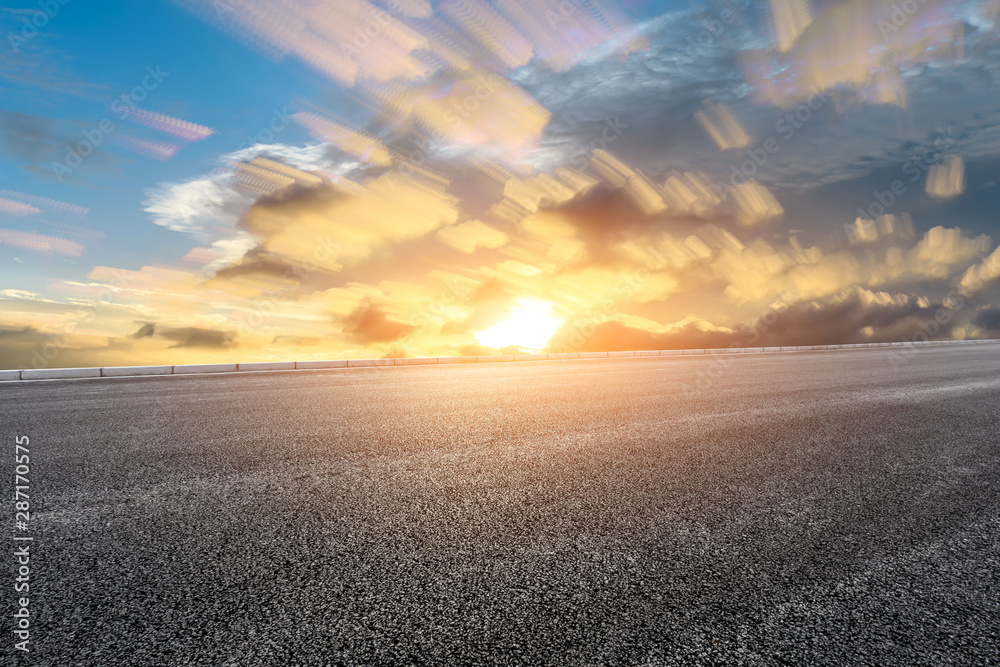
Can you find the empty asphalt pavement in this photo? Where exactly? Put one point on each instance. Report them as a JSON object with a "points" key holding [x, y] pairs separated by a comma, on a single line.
{"points": [[824, 508]]}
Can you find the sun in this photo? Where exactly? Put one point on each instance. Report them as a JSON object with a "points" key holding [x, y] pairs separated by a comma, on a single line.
{"points": [[529, 327]]}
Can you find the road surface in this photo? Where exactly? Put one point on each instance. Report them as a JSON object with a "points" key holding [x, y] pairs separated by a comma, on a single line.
{"points": [[805, 508]]}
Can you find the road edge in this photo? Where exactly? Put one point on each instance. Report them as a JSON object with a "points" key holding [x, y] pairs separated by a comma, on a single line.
{"points": [[27, 375]]}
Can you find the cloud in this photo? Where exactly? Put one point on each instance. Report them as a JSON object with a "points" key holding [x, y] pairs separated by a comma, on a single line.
{"points": [[196, 206], [471, 235], [308, 157], [488, 305], [221, 253], [198, 337], [29, 347], [211, 204], [946, 179], [32, 71], [851, 316], [609, 336], [341, 223], [27, 138], [46, 245], [846, 318], [982, 274], [295, 341], [363, 264], [147, 330], [576, 177], [368, 324], [35, 142], [654, 95], [259, 262], [941, 250], [44, 204], [357, 43], [989, 319], [721, 125]]}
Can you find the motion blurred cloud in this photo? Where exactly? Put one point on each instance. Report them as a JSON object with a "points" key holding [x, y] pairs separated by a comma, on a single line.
{"points": [[946, 179], [482, 155], [721, 125], [369, 324], [40, 243], [471, 235]]}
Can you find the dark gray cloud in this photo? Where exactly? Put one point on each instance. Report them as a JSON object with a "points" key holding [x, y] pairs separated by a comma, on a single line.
{"points": [[611, 336], [29, 348], [198, 337], [368, 324], [830, 322], [261, 262], [34, 143], [819, 323], [26, 138], [988, 319], [147, 330], [654, 95]]}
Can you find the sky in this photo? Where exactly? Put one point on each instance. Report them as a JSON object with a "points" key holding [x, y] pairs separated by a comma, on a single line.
{"points": [[194, 181]]}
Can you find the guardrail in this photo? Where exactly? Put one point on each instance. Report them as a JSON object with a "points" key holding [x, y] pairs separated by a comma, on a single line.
{"points": [[187, 369]]}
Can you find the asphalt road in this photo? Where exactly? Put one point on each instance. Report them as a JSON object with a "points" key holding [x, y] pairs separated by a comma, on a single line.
{"points": [[823, 508]]}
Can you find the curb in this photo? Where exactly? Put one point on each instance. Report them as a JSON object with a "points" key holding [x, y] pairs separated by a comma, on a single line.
{"points": [[188, 369]]}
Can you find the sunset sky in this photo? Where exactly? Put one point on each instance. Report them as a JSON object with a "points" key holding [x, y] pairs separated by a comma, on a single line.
{"points": [[244, 180]]}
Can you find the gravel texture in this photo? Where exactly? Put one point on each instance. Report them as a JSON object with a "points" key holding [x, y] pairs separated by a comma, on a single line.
{"points": [[821, 508]]}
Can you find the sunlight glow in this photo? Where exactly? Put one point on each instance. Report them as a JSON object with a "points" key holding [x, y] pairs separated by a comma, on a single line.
{"points": [[529, 327]]}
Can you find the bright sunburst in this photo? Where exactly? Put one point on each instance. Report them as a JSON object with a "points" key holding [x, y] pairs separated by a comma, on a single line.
{"points": [[530, 326]]}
